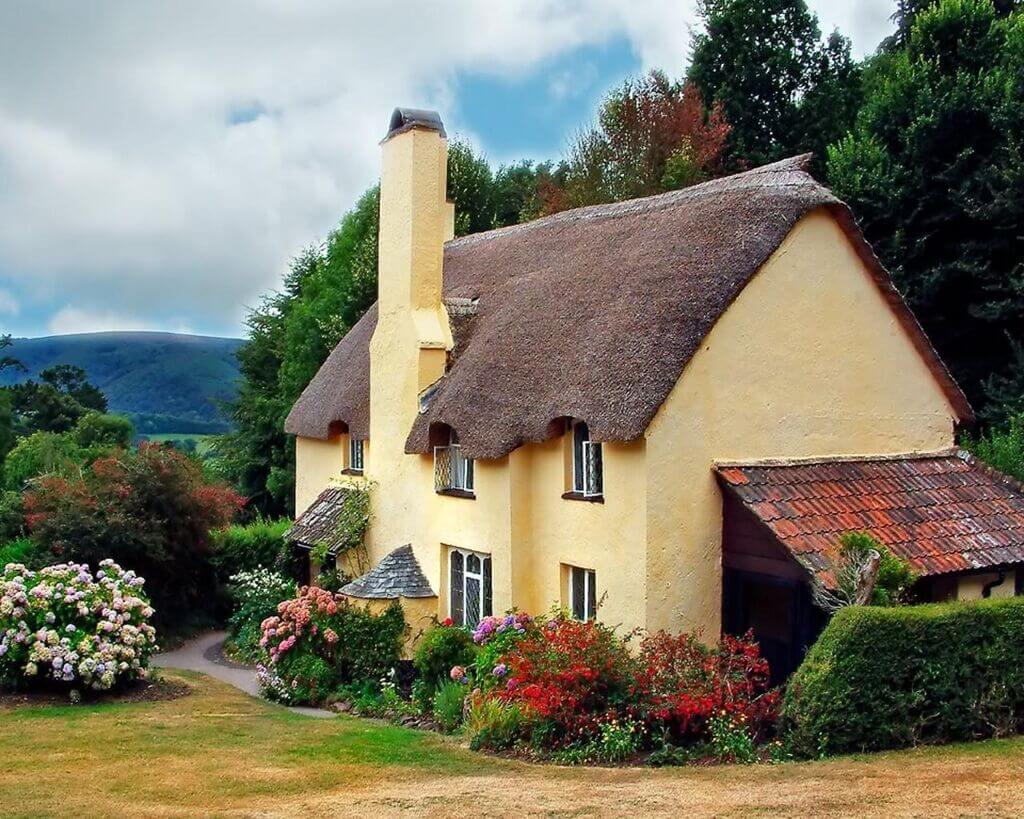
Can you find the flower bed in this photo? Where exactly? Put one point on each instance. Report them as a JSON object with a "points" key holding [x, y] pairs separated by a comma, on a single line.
{"points": [[577, 692], [319, 642], [65, 626]]}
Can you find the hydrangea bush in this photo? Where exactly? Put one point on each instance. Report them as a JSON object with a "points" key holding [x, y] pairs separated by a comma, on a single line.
{"points": [[65, 625], [318, 642]]}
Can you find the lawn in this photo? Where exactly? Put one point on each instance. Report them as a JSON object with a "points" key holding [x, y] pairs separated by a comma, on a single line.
{"points": [[219, 752], [202, 442]]}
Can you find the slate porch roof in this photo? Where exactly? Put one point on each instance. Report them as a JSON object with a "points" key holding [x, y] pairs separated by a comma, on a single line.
{"points": [[943, 513], [319, 523], [397, 575]]}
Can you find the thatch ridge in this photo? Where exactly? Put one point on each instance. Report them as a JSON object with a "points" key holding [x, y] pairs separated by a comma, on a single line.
{"points": [[594, 313]]}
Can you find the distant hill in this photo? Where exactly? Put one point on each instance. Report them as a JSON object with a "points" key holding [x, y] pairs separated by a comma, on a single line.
{"points": [[166, 382]]}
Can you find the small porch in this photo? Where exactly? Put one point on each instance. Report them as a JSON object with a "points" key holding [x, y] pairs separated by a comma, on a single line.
{"points": [[957, 522]]}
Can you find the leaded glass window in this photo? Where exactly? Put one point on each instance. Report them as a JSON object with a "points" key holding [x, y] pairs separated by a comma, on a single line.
{"points": [[470, 589]]}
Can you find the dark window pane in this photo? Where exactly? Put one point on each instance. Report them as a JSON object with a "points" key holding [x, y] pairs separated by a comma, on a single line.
{"points": [[595, 469], [580, 433], [577, 578], [472, 601], [469, 475], [487, 587], [591, 595], [455, 588], [473, 564]]}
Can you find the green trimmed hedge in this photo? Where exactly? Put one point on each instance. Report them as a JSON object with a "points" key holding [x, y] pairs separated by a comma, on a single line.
{"points": [[892, 677]]}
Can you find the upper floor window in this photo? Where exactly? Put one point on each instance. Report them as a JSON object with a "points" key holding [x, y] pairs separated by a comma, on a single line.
{"points": [[452, 470], [355, 455], [587, 466], [469, 587], [582, 593]]}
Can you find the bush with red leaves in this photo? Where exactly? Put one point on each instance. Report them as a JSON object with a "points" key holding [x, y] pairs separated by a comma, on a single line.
{"points": [[567, 675], [682, 683], [149, 510]]}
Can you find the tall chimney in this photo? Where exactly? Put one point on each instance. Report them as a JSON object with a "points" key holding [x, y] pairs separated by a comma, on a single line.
{"points": [[407, 353]]}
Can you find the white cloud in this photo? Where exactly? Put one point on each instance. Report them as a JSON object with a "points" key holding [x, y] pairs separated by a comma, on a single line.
{"points": [[8, 304], [76, 320], [168, 159]]}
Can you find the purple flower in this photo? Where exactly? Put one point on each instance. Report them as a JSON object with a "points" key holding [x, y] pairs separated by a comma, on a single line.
{"points": [[499, 670]]}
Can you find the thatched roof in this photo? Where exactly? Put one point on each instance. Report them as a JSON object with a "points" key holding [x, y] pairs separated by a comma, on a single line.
{"points": [[594, 313]]}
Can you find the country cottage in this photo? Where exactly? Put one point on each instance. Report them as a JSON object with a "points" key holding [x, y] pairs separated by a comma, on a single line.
{"points": [[672, 405]]}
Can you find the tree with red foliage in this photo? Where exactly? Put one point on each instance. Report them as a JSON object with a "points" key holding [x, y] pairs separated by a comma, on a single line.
{"points": [[150, 510], [653, 135]]}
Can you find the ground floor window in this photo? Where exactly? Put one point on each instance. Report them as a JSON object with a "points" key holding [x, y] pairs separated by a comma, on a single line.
{"points": [[582, 593], [469, 587]]}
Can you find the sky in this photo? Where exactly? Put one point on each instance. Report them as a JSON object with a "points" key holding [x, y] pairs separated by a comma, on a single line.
{"points": [[160, 163]]}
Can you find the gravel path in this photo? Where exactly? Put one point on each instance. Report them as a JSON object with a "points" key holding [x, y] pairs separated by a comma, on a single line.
{"points": [[206, 655]]}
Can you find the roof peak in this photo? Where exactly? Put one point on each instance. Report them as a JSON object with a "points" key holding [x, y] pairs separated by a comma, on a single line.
{"points": [[796, 165]]}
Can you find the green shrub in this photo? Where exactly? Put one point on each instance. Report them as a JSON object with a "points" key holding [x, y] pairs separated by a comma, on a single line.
{"points": [[494, 724], [892, 677], [98, 429], [23, 550], [1002, 447], [441, 648], [255, 545], [255, 596], [355, 644], [448, 704], [12, 516]]}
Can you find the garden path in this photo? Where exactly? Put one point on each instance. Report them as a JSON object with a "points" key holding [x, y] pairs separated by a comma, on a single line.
{"points": [[205, 654]]}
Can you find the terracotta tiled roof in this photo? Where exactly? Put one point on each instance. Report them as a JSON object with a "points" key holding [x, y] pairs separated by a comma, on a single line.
{"points": [[942, 513]]}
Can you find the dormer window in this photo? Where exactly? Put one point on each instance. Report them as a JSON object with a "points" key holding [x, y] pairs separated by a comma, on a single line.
{"points": [[587, 465], [453, 472], [355, 455]]}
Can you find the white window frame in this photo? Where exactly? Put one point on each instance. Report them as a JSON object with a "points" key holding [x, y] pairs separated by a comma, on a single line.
{"points": [[461, 470], [485, 562], [587, 592], [355, 455], [589, 448]]}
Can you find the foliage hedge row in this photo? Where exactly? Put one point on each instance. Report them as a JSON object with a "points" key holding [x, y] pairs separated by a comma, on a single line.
{"points": [[249, 547], [891, 677]]}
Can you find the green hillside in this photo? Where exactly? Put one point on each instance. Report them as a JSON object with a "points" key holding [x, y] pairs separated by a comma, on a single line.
{"points": [[165, 381]]}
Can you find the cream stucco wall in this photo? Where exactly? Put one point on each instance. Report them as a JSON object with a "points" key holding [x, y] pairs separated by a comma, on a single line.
{"points": [[809, 361], [316, 464], [972, 587]]}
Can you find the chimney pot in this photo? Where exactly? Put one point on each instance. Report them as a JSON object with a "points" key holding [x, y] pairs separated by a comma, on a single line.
{"points": [[403, 119]]}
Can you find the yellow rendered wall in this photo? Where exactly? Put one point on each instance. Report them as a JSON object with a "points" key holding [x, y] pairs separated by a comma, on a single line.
{"points": [[809, 361], [316, 464], [972, 586]]}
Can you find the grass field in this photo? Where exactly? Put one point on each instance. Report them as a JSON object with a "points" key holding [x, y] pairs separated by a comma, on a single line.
{"points": [[202, 442], [219, 752]]}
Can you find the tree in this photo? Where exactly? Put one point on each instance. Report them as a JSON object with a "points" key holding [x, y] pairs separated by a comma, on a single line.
{"points": [[56, 402], [150, 510], [97, 429], [652, 135], [782, 91], [41, 453], [934, 171]]}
